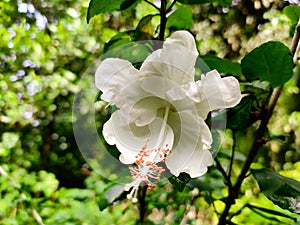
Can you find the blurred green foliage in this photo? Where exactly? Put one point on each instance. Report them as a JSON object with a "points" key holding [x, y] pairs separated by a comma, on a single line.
{"points": [[46, 47]]}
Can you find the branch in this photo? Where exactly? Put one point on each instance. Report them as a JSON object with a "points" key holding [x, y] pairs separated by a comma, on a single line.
{"points": [[171, 6], [259, 140], [232, 155], [163, 20], [225, 175], [295, 43]]}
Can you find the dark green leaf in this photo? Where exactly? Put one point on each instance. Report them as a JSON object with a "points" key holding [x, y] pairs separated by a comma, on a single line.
{"points": [[103, 204], [180, 181], [200, 184], [128, 3], [271, 62], [222, 65], [194, 2], [282, 191], [200, 68], [239, 116], [98, 97], [227, 154], [182, 18], [101, 6]]}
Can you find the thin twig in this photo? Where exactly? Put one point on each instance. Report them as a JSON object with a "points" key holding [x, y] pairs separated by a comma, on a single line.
{"points": [[223, 172], [295, 43], [232, 155], [171, 6], [152, 4]]}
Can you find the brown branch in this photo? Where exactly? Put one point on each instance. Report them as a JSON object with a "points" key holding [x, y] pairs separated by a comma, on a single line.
{"points": [[259, 140]]}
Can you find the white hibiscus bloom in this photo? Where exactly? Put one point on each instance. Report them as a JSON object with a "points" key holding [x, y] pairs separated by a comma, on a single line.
{"points": [[161, 110]]}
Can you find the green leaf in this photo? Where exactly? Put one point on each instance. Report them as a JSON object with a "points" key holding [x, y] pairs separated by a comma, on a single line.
{"points": [[180, 181], [97, 7], [144, 29], [215, 146], [119, 39], [127, 4], [270, 211], [195, 2], [239, 116], [227, 154], [293, 13], [282, 191], [182, 18], [271, 62], [222, 65]]}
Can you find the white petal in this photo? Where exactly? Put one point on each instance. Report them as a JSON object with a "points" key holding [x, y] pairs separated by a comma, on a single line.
{"points": [[220, 92], [190, 90], [175, 61], [112, 75], [139, 105], [128, 142], [142, 117], [190, 153], [157, 86], [182, 38], [108, 132]]}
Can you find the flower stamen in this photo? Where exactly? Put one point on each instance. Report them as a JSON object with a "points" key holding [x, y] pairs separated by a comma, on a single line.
{"points": [[146, 169]]}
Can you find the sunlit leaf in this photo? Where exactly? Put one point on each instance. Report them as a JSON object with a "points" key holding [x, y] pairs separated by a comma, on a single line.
{"points": [[119, 39], [293, 13], [273, 62], [282, 191], [270, 211], [145, 27], [182, 18]]}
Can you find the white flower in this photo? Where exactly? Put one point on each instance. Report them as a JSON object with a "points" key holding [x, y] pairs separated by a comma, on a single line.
{"points": [[161, 110]]}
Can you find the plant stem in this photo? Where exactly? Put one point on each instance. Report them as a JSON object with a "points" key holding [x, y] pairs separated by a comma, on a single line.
{"points": [[232, 155], [142, 204], [163, 19], [259, 140], [142, 191]]}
